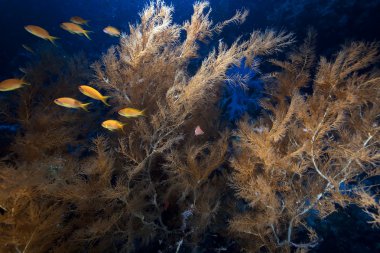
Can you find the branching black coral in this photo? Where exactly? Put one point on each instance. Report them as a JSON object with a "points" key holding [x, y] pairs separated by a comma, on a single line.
{"points": [[307, 149]]}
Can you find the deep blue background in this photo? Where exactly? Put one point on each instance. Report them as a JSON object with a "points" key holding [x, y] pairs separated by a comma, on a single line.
{"points": [[336, 22]]}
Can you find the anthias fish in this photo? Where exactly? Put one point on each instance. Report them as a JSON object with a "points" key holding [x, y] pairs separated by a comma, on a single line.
{"points": [[12, 84], [27, 48], [113, 125], [75, 29], [110, 30], [131, 112], [71, 103], [79, 21], [23, 70], [40, 32], [93, 93]]}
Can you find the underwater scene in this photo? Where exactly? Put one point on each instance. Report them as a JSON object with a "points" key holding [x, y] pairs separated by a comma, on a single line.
{"points": [[190, 126]]}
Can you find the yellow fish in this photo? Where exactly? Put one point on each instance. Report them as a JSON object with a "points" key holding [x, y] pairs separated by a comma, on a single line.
{"points": [[113, 125], [110, 30], [12, 84], [75, 29], [92, 93], [131, 112], [71, 103], [79, 21], [28, 49], [40, 32]]}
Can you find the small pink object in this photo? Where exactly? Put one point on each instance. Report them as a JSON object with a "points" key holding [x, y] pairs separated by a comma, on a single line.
{"points": [[198, 131]]}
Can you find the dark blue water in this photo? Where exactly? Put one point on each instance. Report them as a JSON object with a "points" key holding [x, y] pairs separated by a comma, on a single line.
{"points": [[336, 22]]}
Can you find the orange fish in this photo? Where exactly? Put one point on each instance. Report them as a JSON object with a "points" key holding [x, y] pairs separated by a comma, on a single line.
{"points": [[131, 112], [79, 21], [40, 32], [113, 125], [93, 93], [75, 29], [12, 84], [71, 103], [198, 131], [110, 30]]}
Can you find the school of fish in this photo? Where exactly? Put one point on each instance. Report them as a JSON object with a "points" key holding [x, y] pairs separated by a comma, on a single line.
{"points": [[75, 27], [93, 93]]}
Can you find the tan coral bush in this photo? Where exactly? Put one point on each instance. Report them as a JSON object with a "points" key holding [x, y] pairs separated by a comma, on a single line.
{"points": [[309, 151]]}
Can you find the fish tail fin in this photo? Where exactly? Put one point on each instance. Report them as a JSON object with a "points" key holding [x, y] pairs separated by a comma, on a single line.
{"points": [[25, 82], [122, 128], [52, 40], [86, 34], [84, 106], [143, 112], [104, 100]]}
